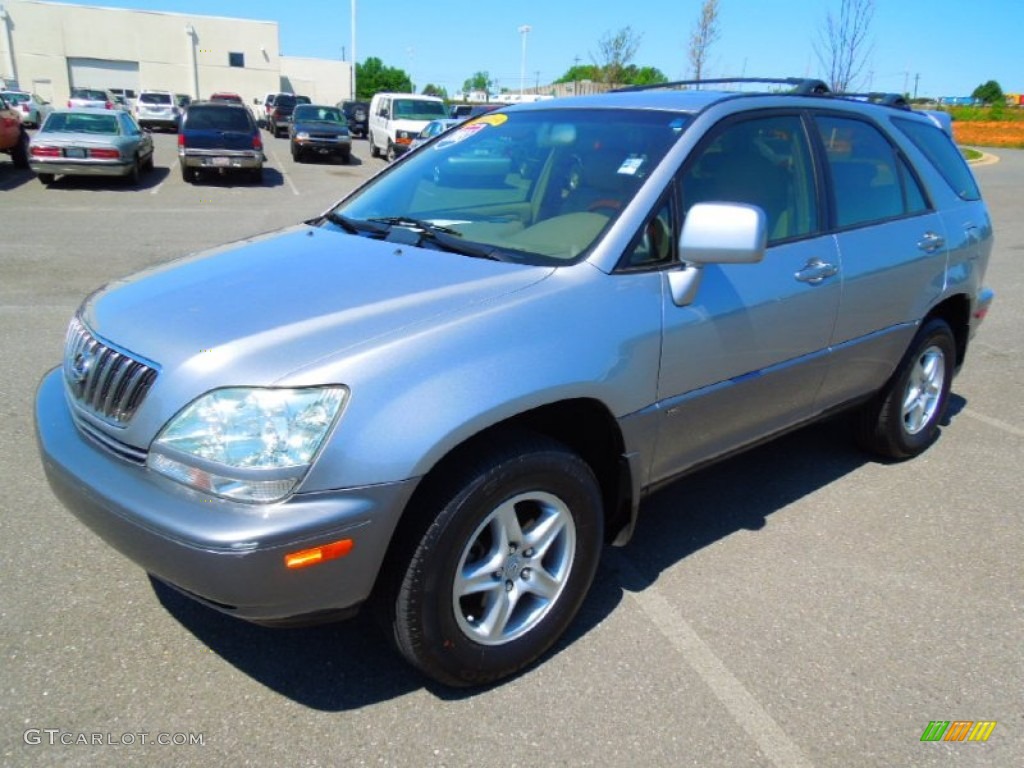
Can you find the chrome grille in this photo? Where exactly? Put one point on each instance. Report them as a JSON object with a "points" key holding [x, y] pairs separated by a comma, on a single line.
{"points": [[107, 382]]}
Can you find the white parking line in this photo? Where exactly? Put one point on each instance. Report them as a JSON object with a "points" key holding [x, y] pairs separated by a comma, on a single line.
{"points": [[278, 163], [744, 708], [170, 172], [997, 423]]}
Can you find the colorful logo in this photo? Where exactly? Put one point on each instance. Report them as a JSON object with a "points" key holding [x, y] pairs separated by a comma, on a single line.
{"points": [[958, 730]]}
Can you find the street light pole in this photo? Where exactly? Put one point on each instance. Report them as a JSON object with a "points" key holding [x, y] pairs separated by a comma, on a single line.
{"points": [[524, 31], [353, 25]]}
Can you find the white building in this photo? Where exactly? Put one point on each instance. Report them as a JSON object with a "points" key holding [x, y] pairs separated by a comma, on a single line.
{"points": [[51, 47]]}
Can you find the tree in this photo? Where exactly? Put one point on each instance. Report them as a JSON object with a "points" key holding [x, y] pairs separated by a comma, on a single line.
{"points": [[480, 81], [581, 72], [615, 53], [705, 33], [989, 93], [372, 76], [843, 48], [634, 75], [435, 90]]}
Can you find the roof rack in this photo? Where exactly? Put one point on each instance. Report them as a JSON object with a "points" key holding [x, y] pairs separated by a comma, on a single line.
{"points": [[897, 100], [801, 85]]}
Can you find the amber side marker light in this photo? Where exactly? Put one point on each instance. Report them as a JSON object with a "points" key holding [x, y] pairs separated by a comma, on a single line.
{"points": [[320, 554]]}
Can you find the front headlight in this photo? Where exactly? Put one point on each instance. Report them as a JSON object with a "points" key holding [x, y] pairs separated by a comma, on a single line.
{"points": [[302, 136], [404, 135], [246, 443]]}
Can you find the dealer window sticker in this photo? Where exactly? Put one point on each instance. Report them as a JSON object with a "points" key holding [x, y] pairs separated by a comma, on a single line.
{"points": [[460, 134]]}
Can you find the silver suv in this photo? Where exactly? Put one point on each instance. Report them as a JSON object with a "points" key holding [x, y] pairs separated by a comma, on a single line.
{"points": [[445, 394]]}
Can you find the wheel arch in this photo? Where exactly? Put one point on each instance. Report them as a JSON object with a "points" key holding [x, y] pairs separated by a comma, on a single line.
{"points": [[956, 312], [583, 425]]}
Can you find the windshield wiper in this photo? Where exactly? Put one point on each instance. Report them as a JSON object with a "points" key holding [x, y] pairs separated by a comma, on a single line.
{"points": [[446, 238], [355, 226]]}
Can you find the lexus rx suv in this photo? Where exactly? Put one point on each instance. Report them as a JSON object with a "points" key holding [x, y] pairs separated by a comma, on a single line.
{"points": [[443, 395]]}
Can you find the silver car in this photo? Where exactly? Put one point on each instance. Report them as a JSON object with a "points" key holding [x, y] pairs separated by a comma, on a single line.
{"points": [[92, 98], [32, 107], [445, 398], [90, 142]]}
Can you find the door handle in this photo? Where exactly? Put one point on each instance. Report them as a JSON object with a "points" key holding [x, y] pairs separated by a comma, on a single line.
{"points": [[931, 242], [815, 271]]}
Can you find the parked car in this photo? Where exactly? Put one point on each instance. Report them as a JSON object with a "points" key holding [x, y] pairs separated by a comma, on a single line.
{"points": [[14, 139], [182, 100], [234, 98], [444, 401], [219, 137], [356, 113], [158, 109], [90, 142], [280, 113], [319, 130], [263, 108], [397, 118], [91, 98], [434, 128], [466, 111], [31, 107]]}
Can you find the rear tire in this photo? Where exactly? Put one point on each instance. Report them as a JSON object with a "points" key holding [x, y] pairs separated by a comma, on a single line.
{"points": [[19, 152], [512, 541], [188, 175], [256, 175], [392, 155], [903, 419], [46, 179]]}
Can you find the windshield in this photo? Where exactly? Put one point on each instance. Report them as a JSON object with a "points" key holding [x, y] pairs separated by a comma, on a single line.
{"points": [[418, 109], [537, 186], [306, 113]]}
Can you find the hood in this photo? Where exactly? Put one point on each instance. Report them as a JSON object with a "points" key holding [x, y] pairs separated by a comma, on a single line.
{"points": [[255, 311]]}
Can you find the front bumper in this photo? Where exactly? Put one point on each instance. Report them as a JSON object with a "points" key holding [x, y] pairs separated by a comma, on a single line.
{"points": [[64, 167], [221, 158], [324, 145], [226, 554]]}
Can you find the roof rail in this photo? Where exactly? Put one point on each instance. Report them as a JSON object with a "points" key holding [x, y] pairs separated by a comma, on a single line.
{"points": [[897, 100], [801, 85]]}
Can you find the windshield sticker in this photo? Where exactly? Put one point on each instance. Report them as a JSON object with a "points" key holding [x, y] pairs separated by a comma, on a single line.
{"points": [[631, 165], [461, 134], [491, 119]]}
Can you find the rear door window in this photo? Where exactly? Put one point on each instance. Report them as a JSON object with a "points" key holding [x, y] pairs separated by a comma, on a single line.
{"points": [[943, 154], [869, 180]]}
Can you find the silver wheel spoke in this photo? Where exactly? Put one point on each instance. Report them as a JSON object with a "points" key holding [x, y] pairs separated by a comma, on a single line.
{"points": [[542, 584], [479, 577], [545, 533], [498, 612], [924, 389], [506, 525]]}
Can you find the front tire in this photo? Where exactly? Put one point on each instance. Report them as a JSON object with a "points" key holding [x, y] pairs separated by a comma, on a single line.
{"points": [[903, 419], [504, 565]]}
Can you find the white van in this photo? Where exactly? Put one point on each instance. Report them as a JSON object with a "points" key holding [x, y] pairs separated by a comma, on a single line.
{"points": [[397, 118]]}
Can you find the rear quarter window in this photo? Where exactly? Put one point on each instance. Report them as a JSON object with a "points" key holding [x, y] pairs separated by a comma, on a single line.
{"points": [[943, 154]]}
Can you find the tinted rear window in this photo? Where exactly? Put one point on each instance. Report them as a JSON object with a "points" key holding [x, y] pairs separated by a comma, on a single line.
{"points": [[155, 98], [209, 117], [943, 154], [285, 100], [88, 93]]}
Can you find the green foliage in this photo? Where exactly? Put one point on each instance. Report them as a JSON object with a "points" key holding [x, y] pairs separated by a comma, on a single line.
{"points": [[581, 72], [435, 90], [634, 75], [984, 114], [630, 75], [989, 93], [480, 81], [373, 77]]}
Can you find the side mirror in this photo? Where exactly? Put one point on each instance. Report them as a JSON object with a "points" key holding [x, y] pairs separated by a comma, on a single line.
{"points": [[716, 233], [386, 114]]}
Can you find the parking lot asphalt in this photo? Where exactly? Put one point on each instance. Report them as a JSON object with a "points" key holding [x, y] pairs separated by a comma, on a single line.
{"points": [[800, 605]]}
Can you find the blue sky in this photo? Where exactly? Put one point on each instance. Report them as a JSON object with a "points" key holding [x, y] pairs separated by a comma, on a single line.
{"points": [[946, 47]]}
